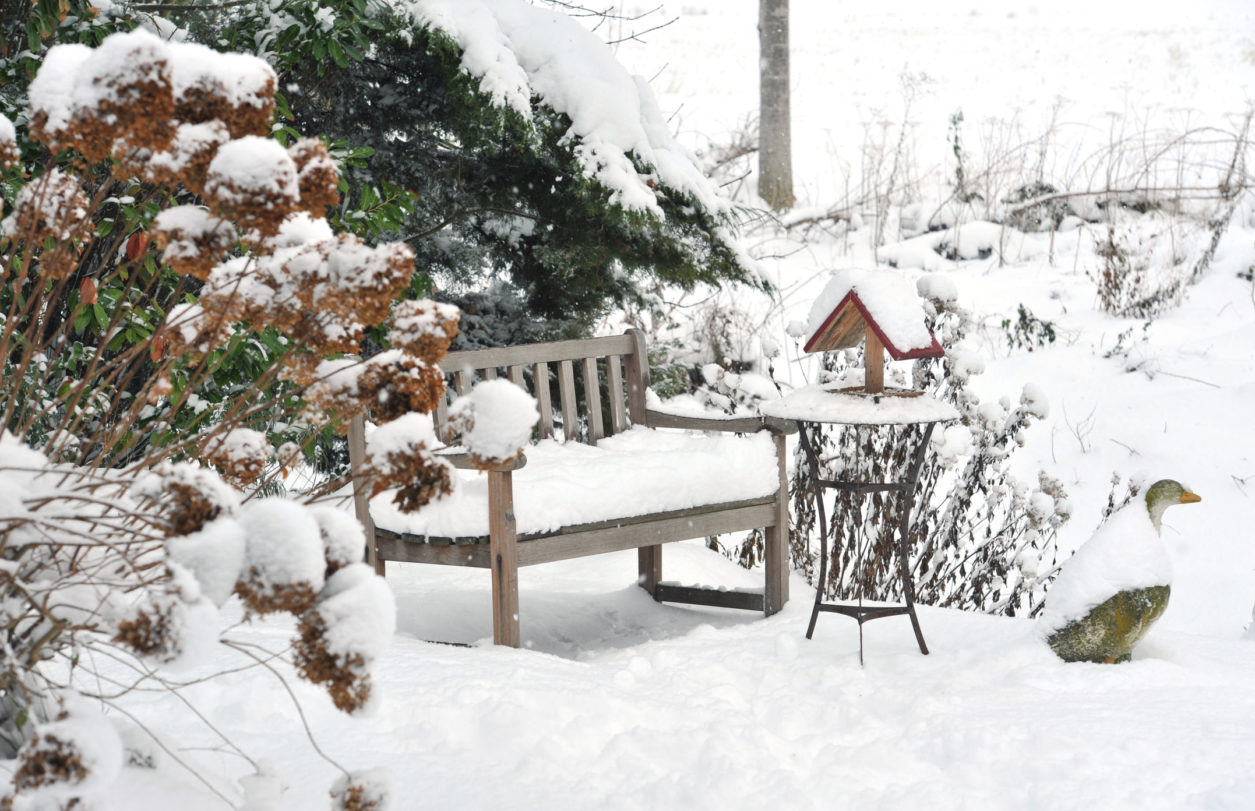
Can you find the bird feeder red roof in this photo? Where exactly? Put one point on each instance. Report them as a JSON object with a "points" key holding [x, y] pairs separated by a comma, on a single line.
{"points": [[849, 321], [880, 307]]}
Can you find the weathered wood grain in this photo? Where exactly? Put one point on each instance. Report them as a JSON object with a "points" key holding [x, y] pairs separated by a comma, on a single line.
{"points": [[361, 489], [873, 362], [776, 552], [537, 353], [614, 386], [566, 400], [544, 403], [719, 598], [592, 399], [638, 376], [505, 562]]}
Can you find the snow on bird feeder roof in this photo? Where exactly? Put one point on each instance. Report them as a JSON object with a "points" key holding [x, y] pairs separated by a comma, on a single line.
{"points": [[878, 306], [880, 299]]}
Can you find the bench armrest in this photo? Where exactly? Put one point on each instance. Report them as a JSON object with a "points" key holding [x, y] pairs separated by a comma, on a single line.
{"points": [[462, 461], [740, 425]]}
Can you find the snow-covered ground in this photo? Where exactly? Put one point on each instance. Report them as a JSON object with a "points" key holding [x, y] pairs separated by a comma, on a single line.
{"points": [[617, 702]]}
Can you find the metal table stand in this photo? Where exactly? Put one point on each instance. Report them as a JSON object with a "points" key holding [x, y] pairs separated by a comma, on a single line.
{"points": [[907, 489]]}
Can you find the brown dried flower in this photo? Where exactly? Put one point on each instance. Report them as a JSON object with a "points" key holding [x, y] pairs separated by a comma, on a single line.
{"points": [[345, 678], [316, 175], [252, 181], [240, 454], [395, 384], [191, 240], [400, 456], [424, 328], [46, 760], [359, 791], [262, 596], [53, 206]]}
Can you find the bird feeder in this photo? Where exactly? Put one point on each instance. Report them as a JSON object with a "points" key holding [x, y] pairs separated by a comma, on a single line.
{"points": [[879, 308]]}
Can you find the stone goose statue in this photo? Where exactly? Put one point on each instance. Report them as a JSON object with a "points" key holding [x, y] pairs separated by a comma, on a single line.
{"points": [[1116, 586]]}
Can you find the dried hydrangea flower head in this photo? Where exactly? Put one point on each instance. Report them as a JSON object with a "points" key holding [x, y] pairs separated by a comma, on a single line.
{"points": [[186, 161], [235, 89], [361, 791], [130, 93], [333, 647], [51, 96], [239, 454], [9, 154], [400, 454], [395, 384], [122, 91], [284, 567], [50, 207], [252, 180], [317, 176], [424, 328], [191, 240]]}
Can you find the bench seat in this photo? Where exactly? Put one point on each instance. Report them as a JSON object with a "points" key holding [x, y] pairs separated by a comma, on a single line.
{"points": [[637, 472], [624, 477]]}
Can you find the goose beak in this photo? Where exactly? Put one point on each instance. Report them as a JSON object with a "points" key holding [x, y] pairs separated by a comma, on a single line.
{"points": [[1189, 498]]}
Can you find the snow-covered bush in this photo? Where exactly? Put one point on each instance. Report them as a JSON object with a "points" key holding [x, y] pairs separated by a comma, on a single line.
{"points": [[115, 316], [1144, 264], [980, 539]]}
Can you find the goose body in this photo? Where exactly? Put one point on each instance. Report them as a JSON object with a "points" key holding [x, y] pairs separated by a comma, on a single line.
{"points": [[1108, 595]]}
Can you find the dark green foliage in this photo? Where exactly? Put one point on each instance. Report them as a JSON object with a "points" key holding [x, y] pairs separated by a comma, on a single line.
{"points": [[1028, 331], [1109, 632]]}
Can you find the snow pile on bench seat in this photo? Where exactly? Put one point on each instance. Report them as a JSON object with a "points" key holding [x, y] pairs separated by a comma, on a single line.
{"points": [[638, 472]]}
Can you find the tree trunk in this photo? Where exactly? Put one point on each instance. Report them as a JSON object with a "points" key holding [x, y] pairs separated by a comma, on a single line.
{"points": [[775, 161]]}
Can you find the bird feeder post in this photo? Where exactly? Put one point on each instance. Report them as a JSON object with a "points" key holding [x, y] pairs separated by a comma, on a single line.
{"points": [[873, 362]]}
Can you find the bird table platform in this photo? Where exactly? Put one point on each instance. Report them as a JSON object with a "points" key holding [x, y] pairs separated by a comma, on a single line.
{"points": [[880, 308]]}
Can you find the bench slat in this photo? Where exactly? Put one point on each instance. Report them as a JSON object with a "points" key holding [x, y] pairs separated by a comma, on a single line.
{"points": [[490, 373], [575, 544], [463, 383], [592, 397], [638, 377], [690, 514], [614, 381], [442, 414], [540, 386], [515, 375], [566, 398], [719, 598], [468, 360]]}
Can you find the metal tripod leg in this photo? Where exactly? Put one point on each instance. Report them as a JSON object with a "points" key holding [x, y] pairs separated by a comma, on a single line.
{"points": [[904, 538], [816, 473]]}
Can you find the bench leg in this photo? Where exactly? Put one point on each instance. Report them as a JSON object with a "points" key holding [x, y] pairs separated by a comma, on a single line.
{"points": [[361, 489], [776, 589], [649, 568], [505, 559]]}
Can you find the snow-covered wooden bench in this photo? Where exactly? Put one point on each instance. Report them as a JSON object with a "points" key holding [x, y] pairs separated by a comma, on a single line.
{"points": [[639, 479]]}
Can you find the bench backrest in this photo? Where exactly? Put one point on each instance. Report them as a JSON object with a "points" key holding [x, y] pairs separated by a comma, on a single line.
{"points": [[617, 365]]}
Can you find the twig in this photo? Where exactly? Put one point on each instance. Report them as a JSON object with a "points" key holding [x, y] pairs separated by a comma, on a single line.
{"points": [[180, 7], [114, 706], [1187, 377], [300, 711]]}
